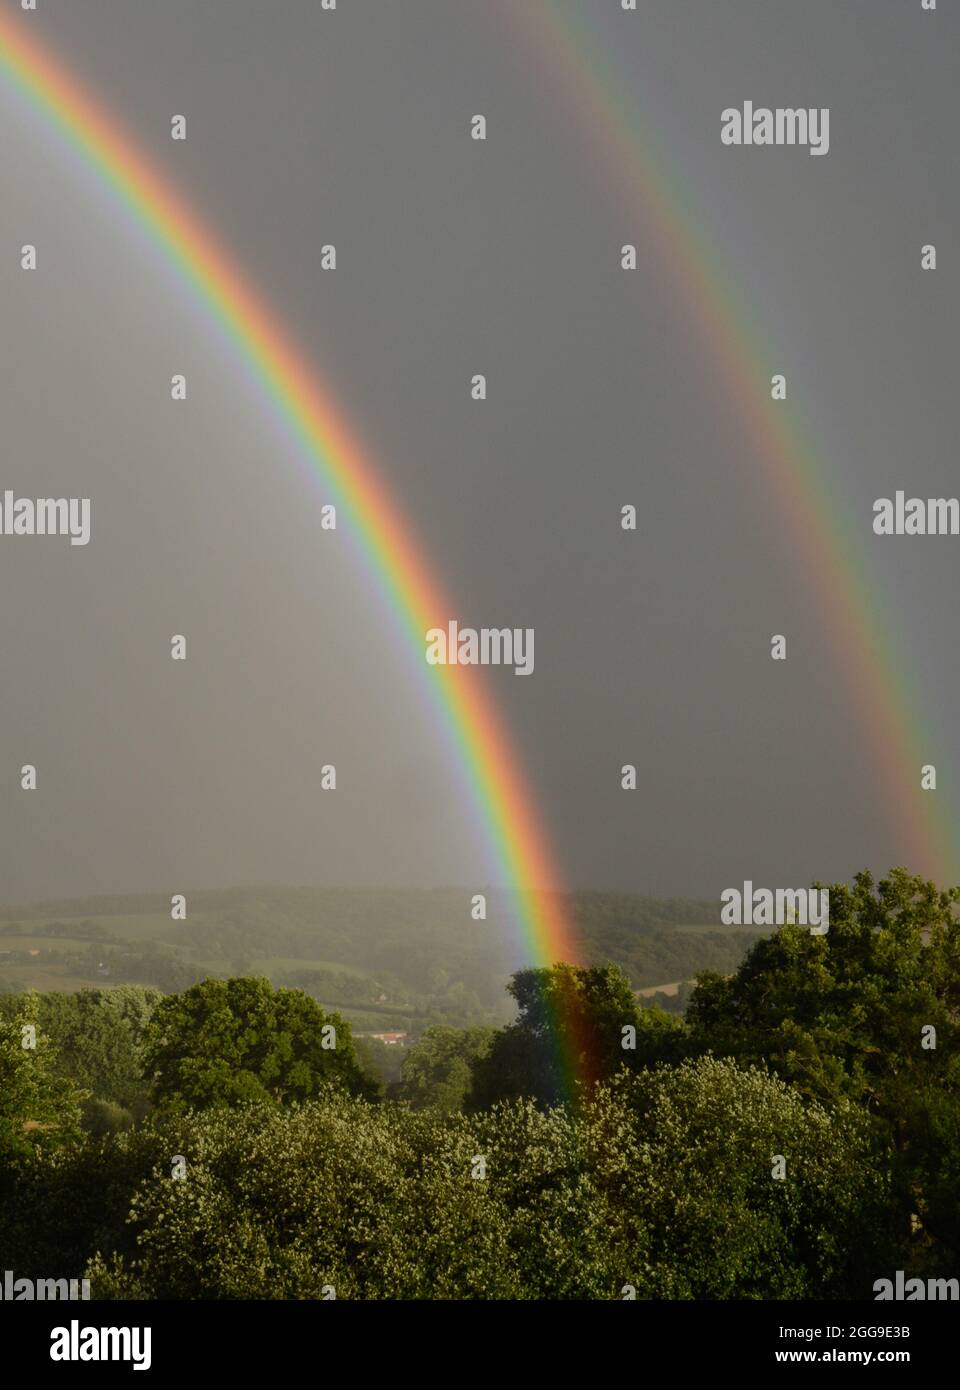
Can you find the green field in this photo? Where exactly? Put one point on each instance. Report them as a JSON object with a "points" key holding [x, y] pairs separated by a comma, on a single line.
{"points": [[384, 959]]}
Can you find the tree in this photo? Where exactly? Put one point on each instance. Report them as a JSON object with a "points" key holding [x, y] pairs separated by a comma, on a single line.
{"points": [[96, 1037], [38, 1108], [224, 1042], [663, 1180], [438, 1070], [95, 1045], [570, 1027], [868, 1012], [699, 1207]]}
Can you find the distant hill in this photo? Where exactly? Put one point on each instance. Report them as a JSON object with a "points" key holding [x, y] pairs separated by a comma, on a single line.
{"points": [[388, 959]]}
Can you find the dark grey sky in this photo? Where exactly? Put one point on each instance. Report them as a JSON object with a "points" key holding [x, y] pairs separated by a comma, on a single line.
{"points": [[306, 127]]}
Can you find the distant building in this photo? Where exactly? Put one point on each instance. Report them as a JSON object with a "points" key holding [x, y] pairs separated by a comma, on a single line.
{"points": [[390, 1039]]}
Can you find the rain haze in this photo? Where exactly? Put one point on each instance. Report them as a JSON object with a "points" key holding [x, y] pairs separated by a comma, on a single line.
{"points": [[456, 257]]}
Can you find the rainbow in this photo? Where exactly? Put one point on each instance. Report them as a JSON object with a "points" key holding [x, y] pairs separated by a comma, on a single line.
{"points": [[304, 403], [563, 40]]}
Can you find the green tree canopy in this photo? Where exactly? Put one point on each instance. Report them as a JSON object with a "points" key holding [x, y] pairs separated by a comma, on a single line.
{"points": [[96, 1036], [869, 1012], [38, 1107], [224, 1042], [570, 1026], [438, 1069], [662, 1180]]}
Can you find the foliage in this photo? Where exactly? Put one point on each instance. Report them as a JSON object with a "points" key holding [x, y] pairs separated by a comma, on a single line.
{"points": [[571, 1023], [438, 1070], [38, 1108], [96, 1035], [661, 1181], [847, 1015], [224, 1042], [492, 1179]]}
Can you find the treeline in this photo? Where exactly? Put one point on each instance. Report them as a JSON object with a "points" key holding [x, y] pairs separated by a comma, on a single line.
{"points": [[596, 911], [381, 1202], [795, 1135], [657, 955], [412, 946]]}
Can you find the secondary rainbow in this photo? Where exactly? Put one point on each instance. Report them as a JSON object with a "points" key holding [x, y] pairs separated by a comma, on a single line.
{"points": [[507, 813], [565, 39]]}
